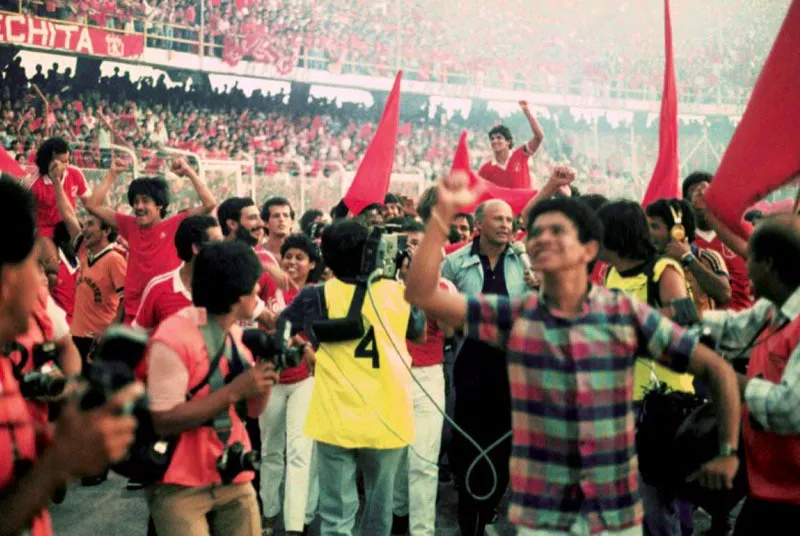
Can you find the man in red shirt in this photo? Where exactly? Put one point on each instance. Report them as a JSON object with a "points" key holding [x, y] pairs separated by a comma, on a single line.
{"points": [[510, 169], [168, 293], [706, 238], [278, 217], [52, 162], [149, 235]]}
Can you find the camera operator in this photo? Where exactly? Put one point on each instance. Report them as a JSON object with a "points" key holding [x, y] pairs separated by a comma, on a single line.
{"points": [[83, 443], [212, 465], [361, 413]]}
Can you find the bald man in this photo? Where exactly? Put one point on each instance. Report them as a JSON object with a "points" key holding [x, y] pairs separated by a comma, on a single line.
{"points": [[767, 336], [482, 404]]}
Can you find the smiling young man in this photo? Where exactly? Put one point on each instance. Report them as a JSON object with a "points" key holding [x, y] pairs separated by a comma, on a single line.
{"points": [[278, 216], [571, 351], [149, 234]]}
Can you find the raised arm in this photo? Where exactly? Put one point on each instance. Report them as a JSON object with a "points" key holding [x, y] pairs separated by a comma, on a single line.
{"points": [[560, 178], [68, 213], [95, 203], [209, 202], [422, 286], [538, 134], [735, 243]]}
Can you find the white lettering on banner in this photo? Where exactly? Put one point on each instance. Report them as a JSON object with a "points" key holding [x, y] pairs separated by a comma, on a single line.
{"points": [[115, 46], [34, 32], [52, 42], [84, 41], [67, 29], [10, 35]]}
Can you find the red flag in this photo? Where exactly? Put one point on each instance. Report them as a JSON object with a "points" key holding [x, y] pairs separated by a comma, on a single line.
{"points": [[10, 166], [515, 197], [664, 181], [371, 182], [764, 152]]}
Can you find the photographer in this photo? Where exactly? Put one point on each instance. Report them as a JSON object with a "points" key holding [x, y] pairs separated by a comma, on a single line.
{"points": [[84, 442], [361, 413], [209, 470]]}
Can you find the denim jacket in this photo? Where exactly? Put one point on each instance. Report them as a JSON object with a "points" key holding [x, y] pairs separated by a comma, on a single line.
{"points": [[463, 268]]}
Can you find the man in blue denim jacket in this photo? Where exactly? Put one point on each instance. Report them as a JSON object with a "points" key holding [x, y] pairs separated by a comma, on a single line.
{"points": [[483, 407]]}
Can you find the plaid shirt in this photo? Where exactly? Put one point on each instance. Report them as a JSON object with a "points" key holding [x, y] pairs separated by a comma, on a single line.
{"points": [[776, 406], [571, 383]]}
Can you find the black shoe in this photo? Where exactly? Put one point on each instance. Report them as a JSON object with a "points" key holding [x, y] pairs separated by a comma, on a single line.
{"points": [[399, 524]]}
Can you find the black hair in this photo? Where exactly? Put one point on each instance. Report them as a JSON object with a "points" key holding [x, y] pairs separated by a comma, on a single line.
{"points": [[305, 244], [467, 216], [192, 231], [275, 201], [231, 209], [112, 232], [339, 210], [626, 230], [371, 206], [594, 201], [343, 247], [774, 241], [223, 273], [694, 179], [426, 203], [585, 220], [17, 210], [308, 218], [661, 209], [503, 131], [48, 150], [391, 198], [153, 187]]}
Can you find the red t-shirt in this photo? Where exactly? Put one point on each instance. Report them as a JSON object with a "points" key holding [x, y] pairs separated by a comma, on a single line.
{"points": [[741, 297], [514, 174], [64, 291], [431, 352], [47, 214], [164, 296], [151, 253], [448, 249]]}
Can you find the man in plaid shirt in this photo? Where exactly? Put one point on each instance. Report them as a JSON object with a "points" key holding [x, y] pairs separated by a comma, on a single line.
{"points": [[571, 353]]}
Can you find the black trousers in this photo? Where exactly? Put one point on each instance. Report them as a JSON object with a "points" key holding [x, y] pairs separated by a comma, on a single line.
{"points": [[483, 410], [761, 518]]}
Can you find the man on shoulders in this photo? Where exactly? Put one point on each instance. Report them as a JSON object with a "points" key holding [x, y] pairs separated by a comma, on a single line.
{"points": [[508, 168]]}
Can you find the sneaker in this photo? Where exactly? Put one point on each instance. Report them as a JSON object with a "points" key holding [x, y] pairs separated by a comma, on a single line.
{"points": [[399, 524]]}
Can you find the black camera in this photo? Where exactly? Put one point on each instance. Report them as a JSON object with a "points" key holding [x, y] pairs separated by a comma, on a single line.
{"points": [[40, 383], [385, 249], [235, 460], [274, 348]]}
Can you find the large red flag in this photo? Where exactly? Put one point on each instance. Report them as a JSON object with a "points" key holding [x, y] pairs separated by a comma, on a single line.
{"points": [[664, 181], [10, 166], [515, 197], [764, 152], [371, 182]]}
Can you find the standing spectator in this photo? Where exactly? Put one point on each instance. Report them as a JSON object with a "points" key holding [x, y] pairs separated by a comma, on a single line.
{"points": [[510, 169], [149, 235]]}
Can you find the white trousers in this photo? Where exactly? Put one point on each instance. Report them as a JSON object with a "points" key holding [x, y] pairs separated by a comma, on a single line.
{"points": [[417, 480], [281, 427]]}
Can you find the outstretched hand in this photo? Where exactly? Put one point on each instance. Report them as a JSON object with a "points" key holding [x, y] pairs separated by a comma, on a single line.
{"points": [[453, 193]]}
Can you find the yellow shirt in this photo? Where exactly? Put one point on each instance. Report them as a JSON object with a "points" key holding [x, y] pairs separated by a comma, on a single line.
{"points": [[637, 286], [362, 389]]}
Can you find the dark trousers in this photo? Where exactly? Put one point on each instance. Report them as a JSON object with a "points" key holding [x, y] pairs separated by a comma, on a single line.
{"points": [[483, 409], [761, 518]]}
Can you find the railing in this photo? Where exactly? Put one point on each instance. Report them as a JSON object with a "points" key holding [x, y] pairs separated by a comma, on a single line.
{"points": [[196, 40]]}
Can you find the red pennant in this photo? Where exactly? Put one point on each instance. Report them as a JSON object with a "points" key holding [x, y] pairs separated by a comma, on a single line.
{"points": [[10, 166], [515, 197], [371, 182], [664, 181], [764, 153]]}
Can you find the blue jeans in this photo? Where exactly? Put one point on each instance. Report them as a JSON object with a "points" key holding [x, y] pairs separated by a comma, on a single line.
{"points": [[338, 495]]}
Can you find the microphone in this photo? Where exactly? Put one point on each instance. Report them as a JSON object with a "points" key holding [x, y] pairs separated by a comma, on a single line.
{"points": [[519, 248]]}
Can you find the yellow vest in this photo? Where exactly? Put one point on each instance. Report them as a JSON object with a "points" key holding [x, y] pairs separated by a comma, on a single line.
{"points": [[362, 389], [637, 286]]}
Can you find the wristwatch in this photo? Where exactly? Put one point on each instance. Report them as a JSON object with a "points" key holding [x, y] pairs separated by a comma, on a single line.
{"points": [[688, 259], [726, 449]]}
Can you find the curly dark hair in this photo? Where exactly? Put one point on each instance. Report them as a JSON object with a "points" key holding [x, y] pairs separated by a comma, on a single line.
{"points": [[49, 149], [503, 131], [155, 188]]}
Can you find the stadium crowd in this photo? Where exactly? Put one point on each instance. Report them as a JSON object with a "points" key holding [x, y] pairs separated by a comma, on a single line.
{"points": [[721, 44]]}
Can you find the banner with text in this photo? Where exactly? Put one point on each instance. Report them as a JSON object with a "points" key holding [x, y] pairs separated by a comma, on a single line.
{"points": [[25, 30]]}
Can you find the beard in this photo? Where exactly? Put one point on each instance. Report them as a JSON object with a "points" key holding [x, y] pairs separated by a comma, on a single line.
{"points": [[243, 235]]}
